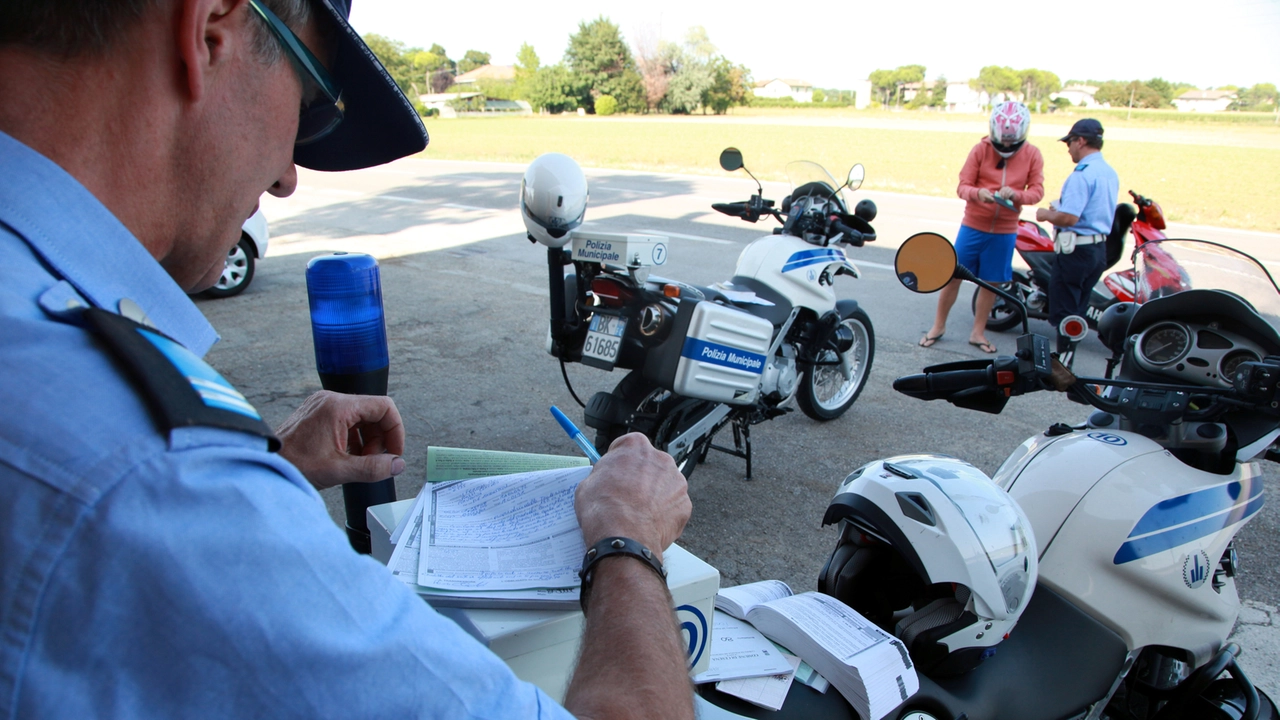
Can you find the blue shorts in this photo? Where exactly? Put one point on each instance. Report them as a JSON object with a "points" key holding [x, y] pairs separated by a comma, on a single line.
{"points": [[987, 255]]}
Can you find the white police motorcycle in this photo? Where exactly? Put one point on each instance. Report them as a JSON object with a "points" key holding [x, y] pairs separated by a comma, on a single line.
{"points": [[702, 358], [1092, 577]]}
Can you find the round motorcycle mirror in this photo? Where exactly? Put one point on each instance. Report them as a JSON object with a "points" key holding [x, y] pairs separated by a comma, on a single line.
{"points": [[857, 174], [731, 159], [925, 263]]}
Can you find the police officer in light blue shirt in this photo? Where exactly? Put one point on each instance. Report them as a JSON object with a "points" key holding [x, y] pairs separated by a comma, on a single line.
{"points": [[159, 557], [1082, 217]]}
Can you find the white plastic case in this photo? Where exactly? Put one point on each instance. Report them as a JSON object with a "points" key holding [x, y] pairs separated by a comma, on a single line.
{"points": [[624, 250], [723, 356]]}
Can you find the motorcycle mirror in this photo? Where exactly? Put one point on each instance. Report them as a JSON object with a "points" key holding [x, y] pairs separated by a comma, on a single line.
{"points": [[731, 159], [925, 263], [857, 174]]}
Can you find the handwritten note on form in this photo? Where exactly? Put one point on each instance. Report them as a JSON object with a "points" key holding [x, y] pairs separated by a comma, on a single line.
{"points": [[509, 532]]}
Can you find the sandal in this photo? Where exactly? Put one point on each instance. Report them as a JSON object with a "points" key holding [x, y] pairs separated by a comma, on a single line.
{"points": [[984, 346], [929, 340]]}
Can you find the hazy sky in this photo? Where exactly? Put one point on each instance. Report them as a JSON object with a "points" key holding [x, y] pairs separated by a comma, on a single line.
{"points": [[830, 44]]}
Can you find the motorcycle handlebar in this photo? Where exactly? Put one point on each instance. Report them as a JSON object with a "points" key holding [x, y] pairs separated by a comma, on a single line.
{"points": [[855, 238], [751, 210], [944, 384]]}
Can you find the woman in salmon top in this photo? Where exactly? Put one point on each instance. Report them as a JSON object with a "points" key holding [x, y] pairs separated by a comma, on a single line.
{"points": [[1002, 165]]}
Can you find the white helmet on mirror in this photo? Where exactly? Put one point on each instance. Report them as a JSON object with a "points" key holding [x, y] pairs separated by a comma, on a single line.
{"points": [[553, 198]]}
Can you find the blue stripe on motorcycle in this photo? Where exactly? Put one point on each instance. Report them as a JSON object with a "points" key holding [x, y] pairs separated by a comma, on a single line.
{"points": [[723, 355], [1199, 504], [1152, 544], [805, 258]]}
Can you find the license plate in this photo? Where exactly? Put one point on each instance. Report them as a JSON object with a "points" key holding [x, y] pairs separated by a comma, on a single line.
{"points": [[604, 339]]}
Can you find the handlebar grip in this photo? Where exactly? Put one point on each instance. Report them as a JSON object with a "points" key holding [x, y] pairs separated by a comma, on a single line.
{"points": [[853, 237], [734, 209], [940, 385]]}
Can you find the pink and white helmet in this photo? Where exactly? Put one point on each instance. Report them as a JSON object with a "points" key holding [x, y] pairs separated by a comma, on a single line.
{"points": [[1010, 122]]}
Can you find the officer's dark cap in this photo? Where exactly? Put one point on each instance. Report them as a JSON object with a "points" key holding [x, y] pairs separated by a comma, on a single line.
{"points": [[380, 123], [1087, 128]]}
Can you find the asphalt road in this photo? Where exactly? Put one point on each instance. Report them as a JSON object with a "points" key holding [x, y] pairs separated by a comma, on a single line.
{"points": [[465, 295]]}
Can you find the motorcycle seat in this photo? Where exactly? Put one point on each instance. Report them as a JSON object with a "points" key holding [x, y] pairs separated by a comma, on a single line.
{"points": [[1124, 217]]}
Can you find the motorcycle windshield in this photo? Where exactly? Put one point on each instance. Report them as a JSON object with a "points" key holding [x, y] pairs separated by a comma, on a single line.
{"points": [[1165, 267], [803, 172]]}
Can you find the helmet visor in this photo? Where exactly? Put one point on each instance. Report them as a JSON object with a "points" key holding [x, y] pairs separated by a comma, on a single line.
{"points": [[990, 513]]}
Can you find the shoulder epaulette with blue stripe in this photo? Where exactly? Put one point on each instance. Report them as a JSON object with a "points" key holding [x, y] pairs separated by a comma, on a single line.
{"points": [[180, 388]]}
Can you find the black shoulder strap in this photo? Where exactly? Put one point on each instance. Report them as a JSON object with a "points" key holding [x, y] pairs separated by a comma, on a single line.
{"points": [[180, 388]]}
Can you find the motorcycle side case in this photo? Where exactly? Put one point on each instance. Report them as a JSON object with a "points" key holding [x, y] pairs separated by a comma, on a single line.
{"points": [[714, 352], [1132, 536]]}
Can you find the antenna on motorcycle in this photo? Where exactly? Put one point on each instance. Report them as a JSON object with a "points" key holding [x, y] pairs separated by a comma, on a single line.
{"points": [[731, 160]]}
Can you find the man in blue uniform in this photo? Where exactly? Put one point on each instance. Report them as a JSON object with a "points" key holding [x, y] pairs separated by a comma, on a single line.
{"points": [[1082, 217], [157, 559]]}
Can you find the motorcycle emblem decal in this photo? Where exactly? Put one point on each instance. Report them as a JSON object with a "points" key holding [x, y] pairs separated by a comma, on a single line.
{"points": [[820, 256], [694, 623], [659, 254], [1108, 438], [1187, 518], [812, 276], [1195, 569]]}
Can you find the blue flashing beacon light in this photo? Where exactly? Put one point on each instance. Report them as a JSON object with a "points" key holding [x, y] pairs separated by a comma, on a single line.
{"points": [[349, 329], [347, 321]]}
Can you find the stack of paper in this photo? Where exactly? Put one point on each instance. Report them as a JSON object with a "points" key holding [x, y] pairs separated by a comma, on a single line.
{"points": [[769, 692], [740, 651], [505, 541], [739, 599], [870, 667]]}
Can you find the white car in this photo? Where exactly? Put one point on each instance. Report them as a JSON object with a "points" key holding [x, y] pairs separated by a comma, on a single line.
{"points": [[238, 271]]}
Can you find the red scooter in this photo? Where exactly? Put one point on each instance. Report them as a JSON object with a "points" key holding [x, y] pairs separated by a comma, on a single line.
{"points": [[1035, 247]]}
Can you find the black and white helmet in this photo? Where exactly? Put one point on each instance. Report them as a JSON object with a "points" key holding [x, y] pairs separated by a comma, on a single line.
{"points": [[553, 198], [933, 550]]}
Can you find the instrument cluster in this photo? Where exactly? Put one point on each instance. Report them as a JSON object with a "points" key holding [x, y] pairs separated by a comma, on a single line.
{"points": [[1194, 353]]}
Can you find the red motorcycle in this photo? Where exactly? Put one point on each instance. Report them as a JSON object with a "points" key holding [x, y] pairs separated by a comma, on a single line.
{"points": [[1035, 247]]}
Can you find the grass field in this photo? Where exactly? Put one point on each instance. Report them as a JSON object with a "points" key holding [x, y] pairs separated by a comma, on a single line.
{"points": [[1205, 174]]}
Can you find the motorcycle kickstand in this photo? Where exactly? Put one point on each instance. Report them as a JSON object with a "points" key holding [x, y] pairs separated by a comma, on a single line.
{"points": [[741, 444]]}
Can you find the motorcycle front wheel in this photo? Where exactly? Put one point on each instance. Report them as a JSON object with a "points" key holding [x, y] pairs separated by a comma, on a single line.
{"points": [[659, 414], [1005, 316], [828, 390]]}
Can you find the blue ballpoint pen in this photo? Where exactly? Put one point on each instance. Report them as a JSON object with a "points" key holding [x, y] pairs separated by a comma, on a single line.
{"points": [[576, 435]]}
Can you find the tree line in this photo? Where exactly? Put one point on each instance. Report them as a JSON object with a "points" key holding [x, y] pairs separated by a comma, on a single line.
{"points": [[599, 73], [1034, 86], [602, 74]]}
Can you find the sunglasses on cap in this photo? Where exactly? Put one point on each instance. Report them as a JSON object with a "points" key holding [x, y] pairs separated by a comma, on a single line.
{"points": [[321, 98]]}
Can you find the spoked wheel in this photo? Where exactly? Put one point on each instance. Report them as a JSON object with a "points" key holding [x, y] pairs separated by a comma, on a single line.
{"points": [[1004, 315], [661, 415], [827, 390], [237, 272]]}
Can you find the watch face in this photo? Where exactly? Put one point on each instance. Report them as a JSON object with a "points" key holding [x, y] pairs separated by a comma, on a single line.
{"points": [[917, 715]]}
